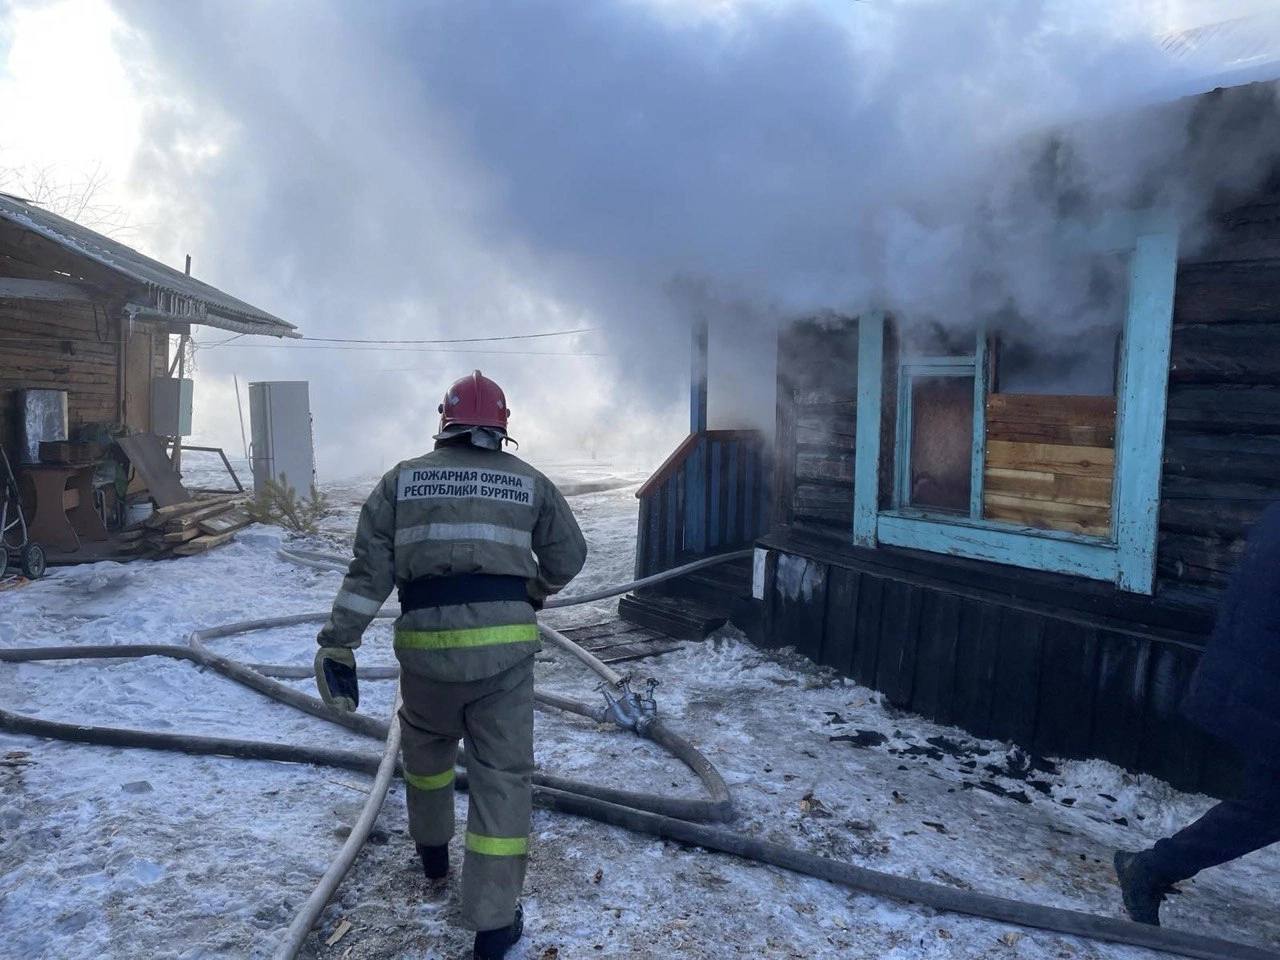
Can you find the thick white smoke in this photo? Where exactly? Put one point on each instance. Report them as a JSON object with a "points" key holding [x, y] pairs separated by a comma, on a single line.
{"points": [[468, 169]]}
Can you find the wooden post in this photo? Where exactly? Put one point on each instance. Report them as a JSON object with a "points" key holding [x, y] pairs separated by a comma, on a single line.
{"points": [[176, 459], [866, 465], [1143, 396], [240, 410], [122, 347], [698, 378]]}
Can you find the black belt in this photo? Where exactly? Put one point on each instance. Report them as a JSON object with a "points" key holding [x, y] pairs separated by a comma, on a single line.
{"points": [[427, 592]]}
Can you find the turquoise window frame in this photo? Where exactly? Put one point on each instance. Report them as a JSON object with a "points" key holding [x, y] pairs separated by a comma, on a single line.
{"points": [[1126, 558], [970, 365]]}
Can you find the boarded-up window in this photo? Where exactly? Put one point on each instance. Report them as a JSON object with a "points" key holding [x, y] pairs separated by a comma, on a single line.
{"points": [[941, 450], [1050, 462]]}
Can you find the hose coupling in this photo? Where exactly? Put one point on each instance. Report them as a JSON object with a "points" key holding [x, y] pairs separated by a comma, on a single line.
{"points": [[629, 709]]}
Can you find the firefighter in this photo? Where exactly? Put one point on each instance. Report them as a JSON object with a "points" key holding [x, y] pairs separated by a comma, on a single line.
{"points": [[1235, 696], [474, 540]]}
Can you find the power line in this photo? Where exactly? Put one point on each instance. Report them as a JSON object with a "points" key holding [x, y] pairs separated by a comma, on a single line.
{"points": [[345, 340], [370, 349]]}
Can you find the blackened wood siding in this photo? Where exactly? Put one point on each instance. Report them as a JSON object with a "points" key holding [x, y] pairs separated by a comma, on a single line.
{"points": [[1061, 665], [817, 390], [1222, 439], [975, 645]]}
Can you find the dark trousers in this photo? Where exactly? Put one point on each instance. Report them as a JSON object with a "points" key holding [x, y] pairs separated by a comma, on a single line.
{"points": [[1228, 831]]}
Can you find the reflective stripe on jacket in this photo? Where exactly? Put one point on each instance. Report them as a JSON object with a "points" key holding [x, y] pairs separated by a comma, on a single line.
{"points": [[458, 510]]}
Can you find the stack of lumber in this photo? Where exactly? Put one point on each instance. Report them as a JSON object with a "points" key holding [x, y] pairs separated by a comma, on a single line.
{"points": [[190, 528]]}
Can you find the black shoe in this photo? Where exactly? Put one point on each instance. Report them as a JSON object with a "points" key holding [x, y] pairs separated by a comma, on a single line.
{"points": [[435, 860], [1141, 890], [494, 944]]}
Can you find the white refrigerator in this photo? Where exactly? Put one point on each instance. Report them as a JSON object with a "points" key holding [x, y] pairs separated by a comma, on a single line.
{"points": [[282, 448]]}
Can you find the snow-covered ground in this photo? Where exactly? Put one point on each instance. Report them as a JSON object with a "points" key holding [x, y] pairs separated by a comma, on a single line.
{"points": [[126, 853]]}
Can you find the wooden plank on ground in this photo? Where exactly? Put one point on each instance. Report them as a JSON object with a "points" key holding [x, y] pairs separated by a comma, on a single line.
{"points": [[639, 651], [226, 521], [188, 521], [163, 515], [639, 635], [175, 536], [609, 628], [619, 641]]}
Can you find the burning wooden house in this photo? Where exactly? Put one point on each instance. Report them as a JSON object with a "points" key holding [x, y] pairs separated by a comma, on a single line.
{"points": [[1028, 545], [85, 372]]}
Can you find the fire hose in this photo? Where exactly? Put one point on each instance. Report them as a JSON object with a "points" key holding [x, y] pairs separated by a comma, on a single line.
{"points": [[658, 816]]}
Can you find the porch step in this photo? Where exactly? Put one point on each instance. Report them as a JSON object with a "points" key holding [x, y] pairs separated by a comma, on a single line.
{"points": [[616, 641], [679, 617], [719, 586]]}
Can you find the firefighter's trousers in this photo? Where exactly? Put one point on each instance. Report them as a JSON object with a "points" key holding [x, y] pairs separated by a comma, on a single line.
{"points": [[494, 717]]}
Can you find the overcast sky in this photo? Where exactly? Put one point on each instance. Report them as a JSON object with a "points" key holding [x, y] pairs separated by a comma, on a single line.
{"points": [[446, 169]]}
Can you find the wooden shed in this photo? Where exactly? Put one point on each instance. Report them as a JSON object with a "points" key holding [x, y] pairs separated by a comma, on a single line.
{"points": [[952, 528], [85, 314]]}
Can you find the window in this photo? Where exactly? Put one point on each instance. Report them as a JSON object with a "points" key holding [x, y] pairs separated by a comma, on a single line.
{"points": [[1018, 446], [935, 439]]}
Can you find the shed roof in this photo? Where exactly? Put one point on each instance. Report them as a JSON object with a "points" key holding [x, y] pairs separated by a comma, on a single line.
{"points": [[162, 292], [1227, 54]]}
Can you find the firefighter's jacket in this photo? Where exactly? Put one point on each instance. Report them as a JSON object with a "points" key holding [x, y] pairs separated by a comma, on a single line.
{"points": [[437, 521]]}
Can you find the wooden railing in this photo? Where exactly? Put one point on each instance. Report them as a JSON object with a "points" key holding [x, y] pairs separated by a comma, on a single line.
{"points": [[709, 496]]}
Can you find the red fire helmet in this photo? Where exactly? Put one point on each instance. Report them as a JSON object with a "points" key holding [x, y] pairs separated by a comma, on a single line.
{"points": [[474, 401]]}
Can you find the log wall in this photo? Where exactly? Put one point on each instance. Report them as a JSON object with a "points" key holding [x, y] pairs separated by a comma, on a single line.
{"points": [[74, 347], [817, 393], [1064, 666], [1061, 668], [61, 346], [1222, 439]]}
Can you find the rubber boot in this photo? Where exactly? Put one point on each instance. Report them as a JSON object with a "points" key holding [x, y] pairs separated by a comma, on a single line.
{"points": [[494, 944], [435, 861], [1142, 890]]}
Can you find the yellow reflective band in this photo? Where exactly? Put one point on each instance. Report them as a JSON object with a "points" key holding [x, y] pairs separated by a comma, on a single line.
{"points": [[497, 846], [472, 637], [430, 781]]}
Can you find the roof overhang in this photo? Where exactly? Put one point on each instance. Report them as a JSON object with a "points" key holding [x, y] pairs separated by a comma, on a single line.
{"points": [[155, 291]]}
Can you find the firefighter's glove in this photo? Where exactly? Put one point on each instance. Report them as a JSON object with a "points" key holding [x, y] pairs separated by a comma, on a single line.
{"points": [[336, 678]]}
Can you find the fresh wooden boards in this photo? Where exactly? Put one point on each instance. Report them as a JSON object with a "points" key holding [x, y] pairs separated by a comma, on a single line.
{"points": [[1050, 462], [187, 529]]}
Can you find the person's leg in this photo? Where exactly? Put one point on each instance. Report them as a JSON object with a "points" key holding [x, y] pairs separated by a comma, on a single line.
{"points": [[1226, 832], [430, 727], [499, 742]]}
